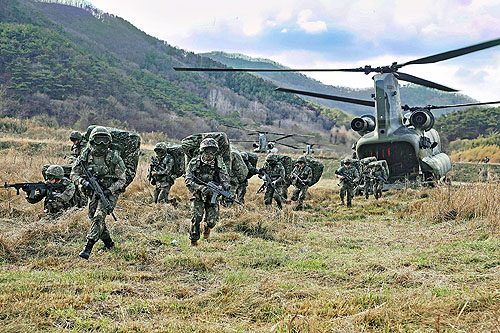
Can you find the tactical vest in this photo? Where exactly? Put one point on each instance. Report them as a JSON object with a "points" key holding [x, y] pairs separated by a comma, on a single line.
{"points": [[102, 167]]}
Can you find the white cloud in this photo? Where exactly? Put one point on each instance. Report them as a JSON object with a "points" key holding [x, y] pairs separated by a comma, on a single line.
{"points": [[312, 27]]}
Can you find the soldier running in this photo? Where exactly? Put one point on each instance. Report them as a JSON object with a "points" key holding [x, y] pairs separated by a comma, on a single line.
{"points": [[207, 167], [252, 171], [79, 143], [301, 179], [162, 166], [379, 176], [276, 172], [108, 168], [349, 177]]}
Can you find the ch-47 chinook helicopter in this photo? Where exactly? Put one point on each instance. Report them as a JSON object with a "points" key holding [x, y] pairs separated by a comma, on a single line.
{"points": [[401, 135], [263, 144]]}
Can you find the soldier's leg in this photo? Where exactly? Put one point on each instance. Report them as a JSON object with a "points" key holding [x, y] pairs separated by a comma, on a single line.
{"points": [[211, 217], [242, 190], [156, 192], [268, 196], [343, 190], [277, 195], [197, 216], [368, 186], [350, 195], [302, 196], [284, 191], [164, 191], [295, 193], [99, 230]]}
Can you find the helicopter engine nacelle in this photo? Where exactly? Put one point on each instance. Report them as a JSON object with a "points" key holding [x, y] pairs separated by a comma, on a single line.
{"points": [[271, 145], [364, 124], [422, 120], [255, 145]]}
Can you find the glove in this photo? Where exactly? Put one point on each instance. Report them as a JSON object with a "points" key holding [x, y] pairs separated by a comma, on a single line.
{"points": [[107, 192], [85, 184], [205, 191]]}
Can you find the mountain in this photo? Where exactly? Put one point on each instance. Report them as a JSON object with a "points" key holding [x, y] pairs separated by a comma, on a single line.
{"points": [[74, 65], [411, 94]]}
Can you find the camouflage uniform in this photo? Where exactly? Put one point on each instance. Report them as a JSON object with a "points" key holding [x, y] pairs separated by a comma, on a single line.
{"points": [[108, 168], [163, 166], [79, 143], [348, 187], [59, 199], [367, 179], [276, 171], [301, 179], [208, 171], [239, 172], [378, 184], [252, 171]]}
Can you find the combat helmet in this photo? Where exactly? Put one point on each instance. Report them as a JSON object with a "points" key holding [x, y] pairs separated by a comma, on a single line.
{"points": [[55, 171], [272, 158], [98, 136], [301, 159], [209, 145], [75, 136], [160, 148]]}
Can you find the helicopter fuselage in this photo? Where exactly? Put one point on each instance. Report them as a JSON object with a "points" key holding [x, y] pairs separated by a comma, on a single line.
{"points": [[410, 152]]}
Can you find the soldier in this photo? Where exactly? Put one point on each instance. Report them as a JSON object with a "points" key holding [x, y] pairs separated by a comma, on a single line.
{"points": [[379, 176], [349, 177], [252, 171], [301, 179], [207, 167], [61, 198], [161, 168], [108, 168], [276, 171], [79, 143], [367, 178]]}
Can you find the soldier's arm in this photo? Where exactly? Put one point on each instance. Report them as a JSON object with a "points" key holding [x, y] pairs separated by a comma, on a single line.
{"points": [[169, 166], [189, 180], [309, 178], [282, 173], [68, 193], [76, 172], [356, 175], [120, 173]]}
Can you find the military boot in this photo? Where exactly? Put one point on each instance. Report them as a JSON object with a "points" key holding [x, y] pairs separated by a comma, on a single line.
{"points": [[298, 207], [342, 201], [206, 232], [108, 244], [194, 243], [85, 254]]}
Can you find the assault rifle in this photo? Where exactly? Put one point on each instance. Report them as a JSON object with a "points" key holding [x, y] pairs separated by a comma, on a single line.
{"points": [[97, 189], [296, 176], [268, 182], [346, 177], [154, 166], [216, 190], [31, 188]]}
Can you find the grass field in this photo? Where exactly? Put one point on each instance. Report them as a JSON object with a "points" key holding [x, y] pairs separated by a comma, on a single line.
{"points": [[416, 260]]}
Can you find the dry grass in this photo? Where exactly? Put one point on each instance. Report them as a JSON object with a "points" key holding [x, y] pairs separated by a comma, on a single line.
{"points": [[477, 154], [396, 264]]}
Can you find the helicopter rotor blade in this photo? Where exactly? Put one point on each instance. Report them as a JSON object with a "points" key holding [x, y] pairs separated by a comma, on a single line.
{"points": [[331, 97], [287, 145], [210, 69], [252, 141], [452, 54], [286, 136], [422, 82], [434, 107]]}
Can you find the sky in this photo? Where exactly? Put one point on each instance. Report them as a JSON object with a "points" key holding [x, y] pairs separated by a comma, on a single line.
{"points": [[334, 34]]}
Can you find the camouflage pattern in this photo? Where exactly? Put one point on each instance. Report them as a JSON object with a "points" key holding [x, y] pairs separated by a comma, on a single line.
{"points": [[366, 180], [79, 143], [162, 165], [276, 171], [238, 174], [128, 146], [201, 205], [251, 164], [60, 200], [288, 164], [79, 199], [110, 171], [348, 187], [301, 179], [378, 172], [191, 146]]}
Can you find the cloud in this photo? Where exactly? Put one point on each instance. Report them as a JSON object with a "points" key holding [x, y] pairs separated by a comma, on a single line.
{"points": [[312, 27]]}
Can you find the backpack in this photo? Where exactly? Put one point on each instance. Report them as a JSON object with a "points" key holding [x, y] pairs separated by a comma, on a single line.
{"points": [[178, 154], [191, 145], [288, 164], [317, 169], [238, 167], [128, 145], [382, 163]]}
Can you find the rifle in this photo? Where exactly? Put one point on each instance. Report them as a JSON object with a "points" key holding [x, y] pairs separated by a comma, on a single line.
{"points": [[216, 190], [98, 190], [31, 188], [346, 177], [296, 176], [268, 182]]}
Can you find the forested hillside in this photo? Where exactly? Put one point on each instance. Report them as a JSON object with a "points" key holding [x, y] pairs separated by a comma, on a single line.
{"points": [[411, 94], [74, 66]]}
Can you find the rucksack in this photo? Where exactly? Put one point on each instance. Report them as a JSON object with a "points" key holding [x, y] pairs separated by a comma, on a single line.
{"points": [[317, 169], [191, 145], [128, 145], [178, 154], [382, 163], [288, 164]]}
